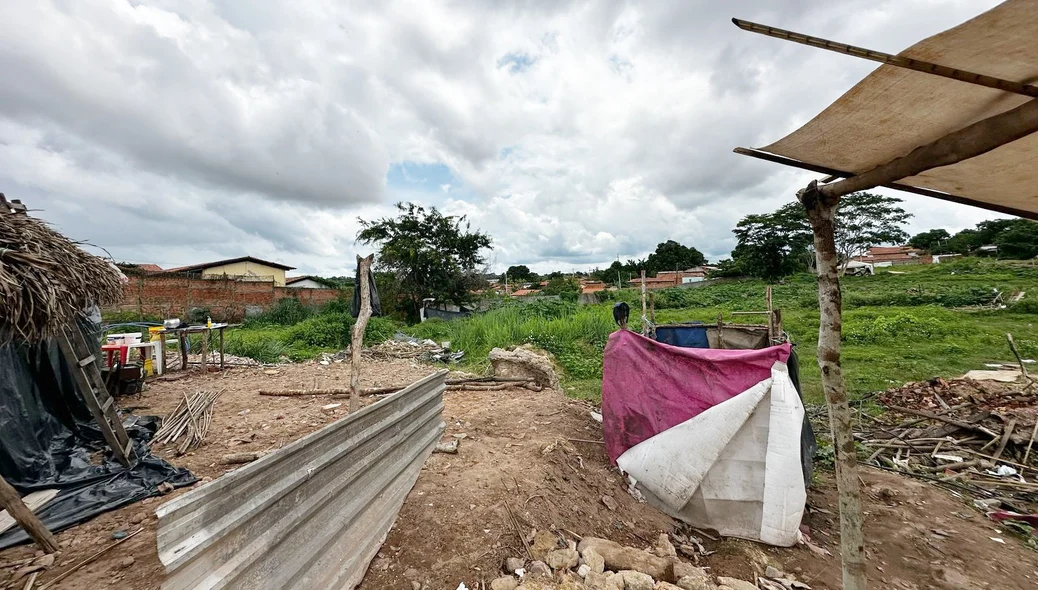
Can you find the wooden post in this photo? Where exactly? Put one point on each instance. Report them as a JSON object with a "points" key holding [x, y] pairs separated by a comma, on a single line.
{"points": [[357, 343], [12, 502], [182, 339], [821, 211], [221, 348], [645, 327], [771, 316]]}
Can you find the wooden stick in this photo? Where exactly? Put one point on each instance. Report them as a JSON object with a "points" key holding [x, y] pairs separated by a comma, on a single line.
{"points": [[959, 423], [1034, 431], [332, 391], [238, 458], [1005, 438], [952, 466], [87, 560], [12, 502], [357, 343], [31, 581], [1012, 347]]}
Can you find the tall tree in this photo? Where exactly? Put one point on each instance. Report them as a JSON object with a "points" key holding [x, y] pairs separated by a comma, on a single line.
{"points": [[773, 245], [1019, 240], [777, 244], [433, 255], [864, 220], [931, 241], [671, 255], [519, 273]]}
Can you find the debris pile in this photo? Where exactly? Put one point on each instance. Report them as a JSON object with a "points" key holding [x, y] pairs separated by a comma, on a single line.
{"points": [[599, 564], [977, 436], [525, 363], [192, 417], [402, 346]]}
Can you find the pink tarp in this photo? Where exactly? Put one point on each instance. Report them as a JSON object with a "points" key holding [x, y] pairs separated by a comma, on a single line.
{"points": [[649, 387]]}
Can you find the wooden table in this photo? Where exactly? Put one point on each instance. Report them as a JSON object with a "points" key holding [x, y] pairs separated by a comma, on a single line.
{"points": [[182, 334]]}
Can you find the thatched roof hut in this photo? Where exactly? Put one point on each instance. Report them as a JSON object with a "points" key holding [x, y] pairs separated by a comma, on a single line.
{"points": [[46, 280]]}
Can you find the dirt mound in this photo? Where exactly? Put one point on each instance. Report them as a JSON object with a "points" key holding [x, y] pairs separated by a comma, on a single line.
{"points": [[525, 363]]}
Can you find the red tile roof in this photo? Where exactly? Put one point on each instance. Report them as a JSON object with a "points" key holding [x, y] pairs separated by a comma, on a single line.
{"points": [[525, 292]]}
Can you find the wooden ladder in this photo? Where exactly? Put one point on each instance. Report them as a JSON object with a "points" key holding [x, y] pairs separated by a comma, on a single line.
{"points": [[85, 368]]}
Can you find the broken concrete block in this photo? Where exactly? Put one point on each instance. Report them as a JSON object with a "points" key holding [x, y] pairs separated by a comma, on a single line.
{"points": [[593, 560], [736, 584], [618, 557]]}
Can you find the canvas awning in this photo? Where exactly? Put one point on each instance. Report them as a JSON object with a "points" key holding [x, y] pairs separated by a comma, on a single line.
{"points": [[895, 110]]}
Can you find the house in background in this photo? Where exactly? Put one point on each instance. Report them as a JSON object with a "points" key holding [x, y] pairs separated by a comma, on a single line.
{"points": [[309, 282], [245, 267]]}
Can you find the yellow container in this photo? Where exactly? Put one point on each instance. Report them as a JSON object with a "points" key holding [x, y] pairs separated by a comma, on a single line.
{"points": [[153, 333]]}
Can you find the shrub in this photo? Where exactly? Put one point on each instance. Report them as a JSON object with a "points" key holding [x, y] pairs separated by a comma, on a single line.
{"points": [[286, 312], [902, 326]]}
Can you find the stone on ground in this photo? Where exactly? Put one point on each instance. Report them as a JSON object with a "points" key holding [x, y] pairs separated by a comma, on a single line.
{"points": [[598, 581], [543, 542], [513, 563], [636, 580], [736, 584], [618, 557], [504, 583], [524, 363], [562, 559], [664, 548], [593, 560], [700, 581], [538, 568]]}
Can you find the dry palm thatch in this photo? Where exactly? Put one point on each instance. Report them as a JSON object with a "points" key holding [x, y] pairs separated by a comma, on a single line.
{"points": [[45, 279]]}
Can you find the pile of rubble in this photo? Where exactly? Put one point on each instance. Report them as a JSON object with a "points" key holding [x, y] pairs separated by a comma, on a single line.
{"points": [[977, 435], [600, 564], [402, 346]]}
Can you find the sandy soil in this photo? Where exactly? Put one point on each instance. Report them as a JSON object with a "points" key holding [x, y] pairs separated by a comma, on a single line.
{"points": [[539, 454]]}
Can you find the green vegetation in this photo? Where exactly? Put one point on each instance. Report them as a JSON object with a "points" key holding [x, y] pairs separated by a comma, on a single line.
{"points": [[923, 322]]}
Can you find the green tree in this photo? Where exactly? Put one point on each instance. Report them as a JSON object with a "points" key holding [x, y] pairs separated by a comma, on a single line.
{"points": [[931, 241], [519, 274], [772, 245], [565, 288], [671, 255], [864, 220], [1019, 240], [431, 254], [777, 244]]}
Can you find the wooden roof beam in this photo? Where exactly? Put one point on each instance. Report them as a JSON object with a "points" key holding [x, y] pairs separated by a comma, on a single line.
{"points": [[889, 59]]}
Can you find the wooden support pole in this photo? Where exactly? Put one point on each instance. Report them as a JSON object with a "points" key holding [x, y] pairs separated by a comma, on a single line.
{"points": [[357, 343], [822, 214], [970, 141], [12, 502], [645, 326]]}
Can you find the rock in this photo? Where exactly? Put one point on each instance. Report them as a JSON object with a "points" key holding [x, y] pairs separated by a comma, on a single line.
{"points": [[664, 548], [538, 568], [583, 570], [593, 560], [526, 363], [126, 562], [504, 583], [597, 581], [512, 564], [44, 560], [617, 557], [773, 572], [165, 488], [609, 502], [450, 448], [411, 574], [562, 559], [571, 582], [735, 584], [543, 542], [684, 570], [415, 585], [700, 581], [120, 534], [138, 518], [666, 586], [535, 585], [636, 580]]}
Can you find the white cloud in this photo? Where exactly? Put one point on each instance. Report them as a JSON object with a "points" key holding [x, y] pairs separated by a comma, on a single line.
{"points": [[575, 132]]}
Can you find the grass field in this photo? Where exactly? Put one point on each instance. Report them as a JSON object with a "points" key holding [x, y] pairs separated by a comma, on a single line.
{"points": [[920, 323]]}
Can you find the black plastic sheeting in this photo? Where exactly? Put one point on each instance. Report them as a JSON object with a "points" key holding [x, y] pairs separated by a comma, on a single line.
{"points": [[376, 303], [49, 440]]}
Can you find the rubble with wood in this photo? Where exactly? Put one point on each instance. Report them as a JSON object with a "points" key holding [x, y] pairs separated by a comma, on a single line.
{"points": [[969, 435]]}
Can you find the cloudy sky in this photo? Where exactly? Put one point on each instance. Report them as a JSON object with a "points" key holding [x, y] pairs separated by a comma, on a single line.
{"points": [[181, 131]]}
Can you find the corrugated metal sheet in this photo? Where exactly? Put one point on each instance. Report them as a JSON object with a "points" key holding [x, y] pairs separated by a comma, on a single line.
{"points": [[310, 515]]}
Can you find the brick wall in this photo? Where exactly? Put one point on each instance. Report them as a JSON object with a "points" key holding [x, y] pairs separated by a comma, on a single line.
{"points": [[227, 299]]}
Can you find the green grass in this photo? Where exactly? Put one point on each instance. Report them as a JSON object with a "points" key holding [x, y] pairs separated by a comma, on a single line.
{"points": [[897, 327]]}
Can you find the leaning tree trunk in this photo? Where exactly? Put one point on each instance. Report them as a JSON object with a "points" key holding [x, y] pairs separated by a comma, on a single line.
{"points": [[822, 214], [357, 342]]}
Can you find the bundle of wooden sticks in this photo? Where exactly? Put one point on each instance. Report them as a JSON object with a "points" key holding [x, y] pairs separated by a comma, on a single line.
{"points": [[191, 419]]}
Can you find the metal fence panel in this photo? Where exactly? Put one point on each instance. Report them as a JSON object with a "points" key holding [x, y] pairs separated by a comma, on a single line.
{"points": [[312, 514]]}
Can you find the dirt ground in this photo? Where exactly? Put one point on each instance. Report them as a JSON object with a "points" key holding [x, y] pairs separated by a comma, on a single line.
{"points": [[539, 454]]}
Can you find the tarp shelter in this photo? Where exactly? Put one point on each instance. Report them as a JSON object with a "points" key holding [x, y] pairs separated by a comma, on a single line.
{"points": [[714, 437], [894, 110], [49, 441]]}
